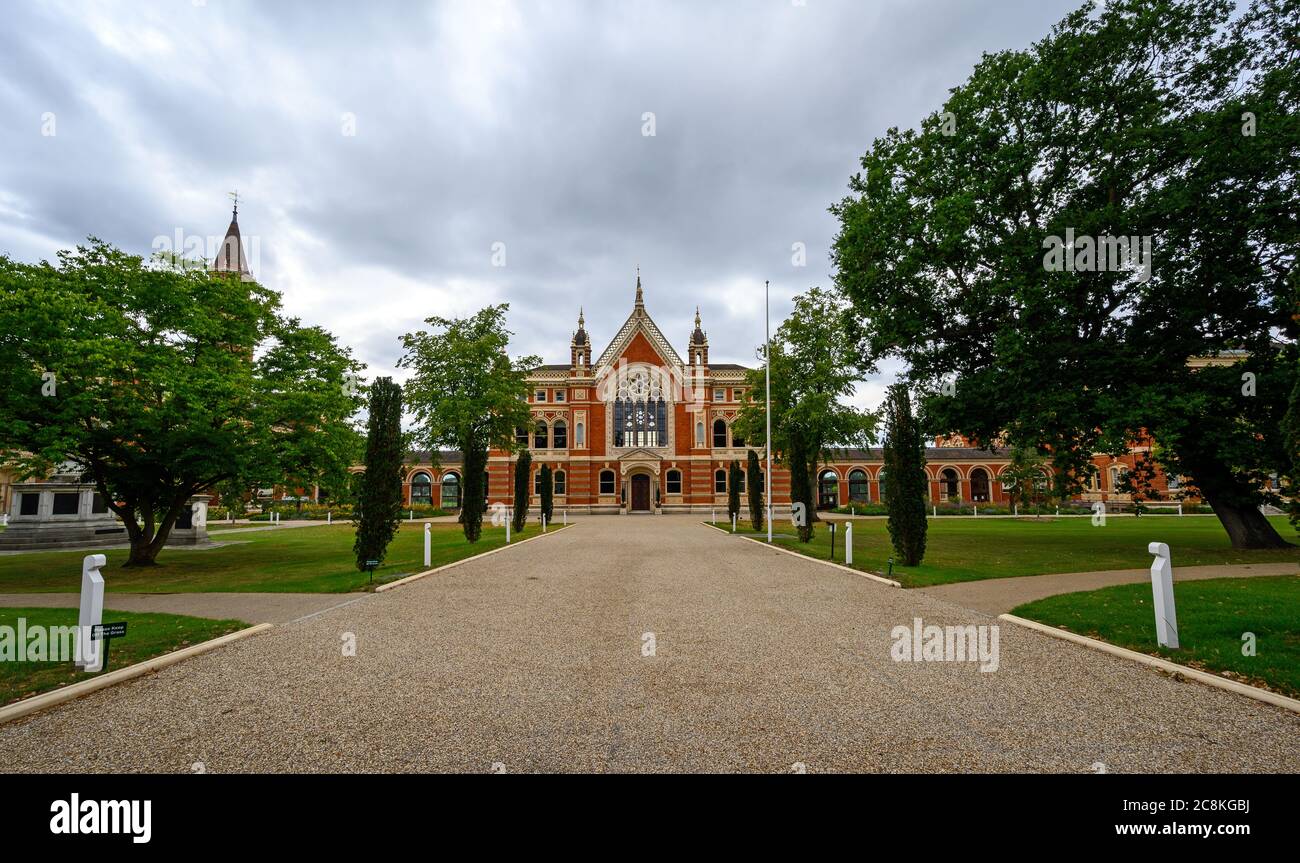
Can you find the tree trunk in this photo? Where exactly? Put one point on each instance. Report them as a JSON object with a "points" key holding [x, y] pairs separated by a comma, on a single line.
{"points": [[1247, 527]]}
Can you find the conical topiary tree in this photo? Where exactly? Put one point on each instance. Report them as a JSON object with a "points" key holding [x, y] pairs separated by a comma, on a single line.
{"points": [[379, 499], [734, 475], [754, 479], [523, 477], [904, 458], [547, 492]]}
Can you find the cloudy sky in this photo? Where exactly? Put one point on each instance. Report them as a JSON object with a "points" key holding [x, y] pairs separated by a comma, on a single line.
{"points": [[383, 150]]}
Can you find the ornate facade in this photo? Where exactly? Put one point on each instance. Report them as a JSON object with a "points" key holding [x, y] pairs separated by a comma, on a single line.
{"points": [[639, 429]]}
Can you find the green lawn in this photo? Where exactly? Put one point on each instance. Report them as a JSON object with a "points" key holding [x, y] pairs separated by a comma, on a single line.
{"points": [[970, 549], [147, 636], [1212, 616], [290, 560]]}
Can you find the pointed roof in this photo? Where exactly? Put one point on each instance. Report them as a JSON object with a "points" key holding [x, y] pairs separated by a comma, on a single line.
{"points": [[580, 337], [230, 257], [698, 337], [639, 322]]}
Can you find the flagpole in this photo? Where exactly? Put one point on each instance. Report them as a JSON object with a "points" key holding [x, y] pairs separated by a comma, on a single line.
{"points": [[767, 363]]}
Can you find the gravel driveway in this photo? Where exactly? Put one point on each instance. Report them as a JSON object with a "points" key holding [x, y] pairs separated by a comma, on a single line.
{"points": [[533, 659]]}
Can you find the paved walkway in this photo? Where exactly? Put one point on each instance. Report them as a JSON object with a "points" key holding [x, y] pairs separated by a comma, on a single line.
{"points": [[535, 659], [1000, 595], [248, 607]]}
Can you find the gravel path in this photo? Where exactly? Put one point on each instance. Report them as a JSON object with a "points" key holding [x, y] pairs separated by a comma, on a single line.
{"points": [[999, 595], [532, 659]]}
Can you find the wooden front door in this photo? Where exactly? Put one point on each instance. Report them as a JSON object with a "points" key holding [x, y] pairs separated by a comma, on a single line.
{"points": [[640, 493]]}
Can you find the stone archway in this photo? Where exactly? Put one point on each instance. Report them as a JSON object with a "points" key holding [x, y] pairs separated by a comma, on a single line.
{"points": [[640, 497]]}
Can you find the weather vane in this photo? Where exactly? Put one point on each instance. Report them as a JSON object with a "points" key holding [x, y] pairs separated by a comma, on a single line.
{"points": [[234, 196]]}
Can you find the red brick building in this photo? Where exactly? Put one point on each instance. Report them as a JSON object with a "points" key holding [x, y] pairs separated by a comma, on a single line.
{"points": [[639, 428]]}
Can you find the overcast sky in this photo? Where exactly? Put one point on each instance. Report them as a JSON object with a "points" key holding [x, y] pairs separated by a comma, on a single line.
{"points": [[478, 123]]}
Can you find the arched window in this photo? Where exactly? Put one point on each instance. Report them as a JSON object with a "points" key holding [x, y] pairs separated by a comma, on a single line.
{"points": [[539, 436], [950, 484], [1115, 478], [450, 491], [740, 482], [699, 434], [537, 482], [720, 482], [828, 490], [561, 434], [521, 436], [607, 482], [673, 481], [979, 485], [560, 481], [421, 488], [719, 433], [859, 490], [579, 435]]}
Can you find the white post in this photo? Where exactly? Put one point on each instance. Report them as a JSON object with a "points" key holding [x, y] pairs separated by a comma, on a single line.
{"points": [[6, 519], [848, 543], [428, 546], [90, 655], [767, 377], [543, 524], [1016, 510], [410, 516], [1162, 592], [1180, 508], [934, 510], [733, 524], [976, 510], [1058, 510], [329, 517], [509, 518], [564, 516], [714, 517]]}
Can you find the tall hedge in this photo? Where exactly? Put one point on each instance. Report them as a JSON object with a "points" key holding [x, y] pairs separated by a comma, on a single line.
{"points": [[754, 478], [379, 498], [734, 475], [801, 483], [523, 480], [904, 458], [547, 492]]}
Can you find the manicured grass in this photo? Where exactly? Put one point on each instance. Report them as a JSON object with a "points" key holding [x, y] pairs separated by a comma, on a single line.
{"points": [[1212, 617], [147, 636], [288, 560], [970, 549]]}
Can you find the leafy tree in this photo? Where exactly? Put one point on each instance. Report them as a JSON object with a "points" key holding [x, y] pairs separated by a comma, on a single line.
{"points": [[904, 457], [754, 481], [547, 492], [379, 501], [1023, 477], [734, 477], [523, 481], [1172, 120], [467, 394], [813, 367], [159, 382]]}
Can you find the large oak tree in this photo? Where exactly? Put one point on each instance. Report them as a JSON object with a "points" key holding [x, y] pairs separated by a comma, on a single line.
{"points": [[1174, 120], [158, 381]]}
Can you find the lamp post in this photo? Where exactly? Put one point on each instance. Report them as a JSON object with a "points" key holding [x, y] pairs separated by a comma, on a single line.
{"points": [[767, 370]]}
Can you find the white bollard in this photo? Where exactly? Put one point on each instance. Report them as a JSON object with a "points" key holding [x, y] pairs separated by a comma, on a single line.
{"points": [[90, 656], [1016, 510], [1180, 508], [733, 524], [543, 524], [564, 516], [848, 544], [934, 510], [714, 517], [428, 546], [6, 519], [329, 517], [1162, 592], [509, 519], [976, 511], [410, 516]]}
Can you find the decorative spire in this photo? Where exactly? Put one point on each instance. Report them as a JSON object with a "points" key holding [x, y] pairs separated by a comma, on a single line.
{"points": [[580, 337], [230, 256], [640, 302], [697, 337]]}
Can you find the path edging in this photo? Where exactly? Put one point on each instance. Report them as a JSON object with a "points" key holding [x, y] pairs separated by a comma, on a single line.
{"points": [[775, 547], [419, 575], [85, 687], [1205, 677]]}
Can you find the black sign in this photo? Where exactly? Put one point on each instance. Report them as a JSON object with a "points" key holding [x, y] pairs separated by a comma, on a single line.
{"points": [[101, 631]]}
